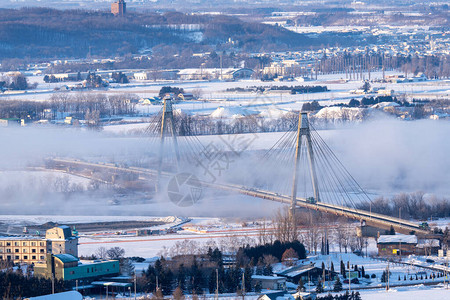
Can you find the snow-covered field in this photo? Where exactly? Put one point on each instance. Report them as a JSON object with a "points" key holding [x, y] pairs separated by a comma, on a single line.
{"points": [[340, 90]]}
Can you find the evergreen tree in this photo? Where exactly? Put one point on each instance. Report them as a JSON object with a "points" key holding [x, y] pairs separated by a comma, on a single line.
{"points": [[383, 277], [319, 287], [267, 271], [181, 278], [248, 279], [342, 268], [337, 285], [212, 282], [258, 287]]}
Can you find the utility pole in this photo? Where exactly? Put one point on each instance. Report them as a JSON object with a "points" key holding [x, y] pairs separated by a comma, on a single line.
{"points": [[53, 283], [217, 284], [400, 239], [243, 285], [349, 281], [134, 286], [221, 66], [387, 274]]}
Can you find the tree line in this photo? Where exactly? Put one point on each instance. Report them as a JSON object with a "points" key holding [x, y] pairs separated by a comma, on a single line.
{"points": [[413, 206], [17, 285], [16, 82], [87, 106]]}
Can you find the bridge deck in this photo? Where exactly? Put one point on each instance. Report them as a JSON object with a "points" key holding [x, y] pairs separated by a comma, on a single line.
{"points": [[370, 218]]}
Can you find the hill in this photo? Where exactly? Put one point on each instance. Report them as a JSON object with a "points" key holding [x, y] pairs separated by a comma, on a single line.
{"points": [[51, 33]]}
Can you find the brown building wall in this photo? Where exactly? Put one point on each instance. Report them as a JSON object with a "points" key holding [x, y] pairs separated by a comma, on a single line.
{"points": [[388, 249], [24, 250], [118, 8]]}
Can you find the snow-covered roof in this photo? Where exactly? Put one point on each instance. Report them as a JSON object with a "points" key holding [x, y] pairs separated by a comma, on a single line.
{"points": [[337, 112], [274, 112], [385, 104], [231, 112], [398, 238], [21, 237], [72, 295], [262, 277], [428, 243], [296, 270]]}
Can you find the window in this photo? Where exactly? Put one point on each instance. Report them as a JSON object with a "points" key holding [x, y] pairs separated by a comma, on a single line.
{"points": [[17, 257], [33, 250], [72, 272], [1, 250], [34, 257], [25, 257], [8, 250], [8, 243], [1, 244], [42, 251], [16, 243], [16, 250], [33, 243], [42, 257], [1, 257], [24, 250], [8, 257], [41, 244], [24, 243]]}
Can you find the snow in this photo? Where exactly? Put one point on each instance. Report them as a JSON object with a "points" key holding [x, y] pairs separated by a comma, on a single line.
{"points": [[274, 113], [336, 112], [72, 295], [231, 112], [398, 238], [385, 104], [408, 293]]}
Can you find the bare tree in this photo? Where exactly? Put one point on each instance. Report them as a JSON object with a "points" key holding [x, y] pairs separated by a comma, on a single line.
{"points": [[101, 253], [285, 225]]}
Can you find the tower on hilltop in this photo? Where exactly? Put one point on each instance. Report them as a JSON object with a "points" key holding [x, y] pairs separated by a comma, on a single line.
{"points": [[119, 8]]}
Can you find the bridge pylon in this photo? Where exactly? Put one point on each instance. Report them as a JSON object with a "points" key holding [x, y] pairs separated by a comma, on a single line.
{"points": [[304, 132], [167, 117]]}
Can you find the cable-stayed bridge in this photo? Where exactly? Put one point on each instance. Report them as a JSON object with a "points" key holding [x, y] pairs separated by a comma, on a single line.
{"points": [[300, 170]]}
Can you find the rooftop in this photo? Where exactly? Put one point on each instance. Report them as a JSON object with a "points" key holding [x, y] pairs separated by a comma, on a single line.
{"points": [[66, 258], [21, 237], [398, 238]]}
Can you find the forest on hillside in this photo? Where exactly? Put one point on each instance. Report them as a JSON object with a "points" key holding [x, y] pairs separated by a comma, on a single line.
{"points": [[51, 33]]}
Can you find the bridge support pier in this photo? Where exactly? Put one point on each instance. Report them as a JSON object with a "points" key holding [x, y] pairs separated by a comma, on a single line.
{"points": [[304, 132], [167, 116]]}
